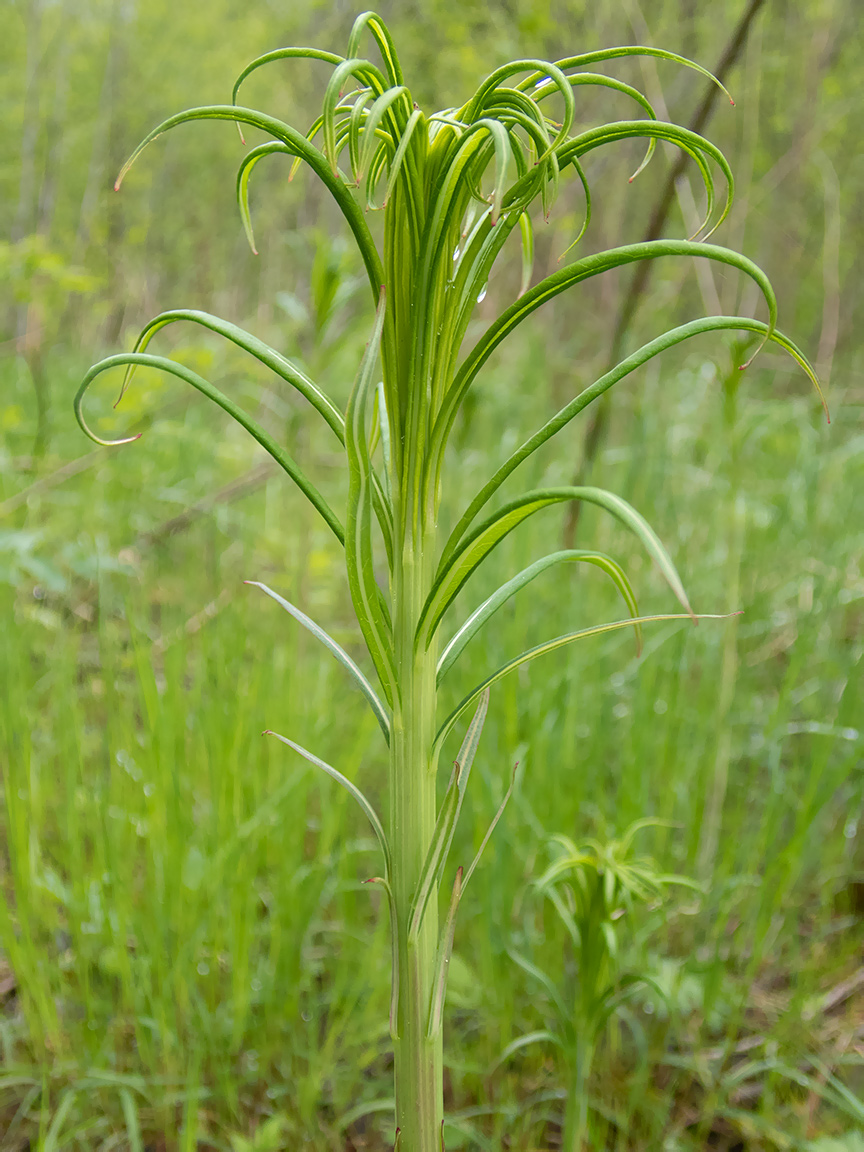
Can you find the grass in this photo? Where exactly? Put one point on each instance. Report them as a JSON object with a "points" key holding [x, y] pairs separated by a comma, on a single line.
{"points": [[187, 911]]}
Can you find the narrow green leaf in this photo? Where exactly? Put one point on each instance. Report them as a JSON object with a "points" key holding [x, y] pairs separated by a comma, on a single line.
{"points": [[491, 605], [453, 573], [364, 72], [448, 816], [442, 961], [583, 179], [302, 148], [130, 1117], [527, 230], [552, 73], [284, 54], [396, 163], [596, 78], [365, 593], [255, 430], [597, 56], [354, 130], [394, 955], [544, 981], [565, 278], [550, 646], [349, 786], [543, 1036], [52, 1136], [384, 431], [383, 39], [619, 372], [689, 142], [336, 650], [371, 123], [491, 828], [244, 173], [268, 356]]}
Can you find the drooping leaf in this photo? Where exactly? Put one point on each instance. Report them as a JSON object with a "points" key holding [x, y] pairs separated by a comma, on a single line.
{"points": [[559, 282], [550, 646], [301, 147], [282, 458], [479, 617], [336, 650], [268, 356], [623, 51], [382, 37], [349, 786], [476, 546], [619, 372]]}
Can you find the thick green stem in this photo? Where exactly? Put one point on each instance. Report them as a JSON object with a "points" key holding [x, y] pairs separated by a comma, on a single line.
{"points": [[418, 1056]]}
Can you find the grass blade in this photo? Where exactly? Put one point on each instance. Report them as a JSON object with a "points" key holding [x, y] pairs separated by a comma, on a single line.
{"points": [[491, 828], [130, 1116]]}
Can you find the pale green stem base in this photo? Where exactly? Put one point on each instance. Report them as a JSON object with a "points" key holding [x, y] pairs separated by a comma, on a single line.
{"points": [[576, 1108], [418, 1056]]}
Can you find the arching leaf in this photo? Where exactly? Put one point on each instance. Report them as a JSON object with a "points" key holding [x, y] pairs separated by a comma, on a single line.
{"points": [[619, 372], [477, 545], [550, 646], [282, 458], [336, 650], [490, 606], [349, 786]]}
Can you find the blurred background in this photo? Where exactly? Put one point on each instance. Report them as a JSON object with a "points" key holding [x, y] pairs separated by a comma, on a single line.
{"points": [[182, 908]]}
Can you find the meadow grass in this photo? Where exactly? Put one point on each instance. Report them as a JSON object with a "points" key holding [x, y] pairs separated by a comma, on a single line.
{"points": [[184, 909]]}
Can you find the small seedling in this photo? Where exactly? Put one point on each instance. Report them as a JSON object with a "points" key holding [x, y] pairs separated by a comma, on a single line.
{"points": [[452, 188], [593, 887]]}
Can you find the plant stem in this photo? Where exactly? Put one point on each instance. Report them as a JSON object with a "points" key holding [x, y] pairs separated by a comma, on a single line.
{"points": [[418, 1057], [576, 1107]]}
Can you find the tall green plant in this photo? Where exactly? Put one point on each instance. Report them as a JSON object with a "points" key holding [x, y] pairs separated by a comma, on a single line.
{"points": [[451, 188]]}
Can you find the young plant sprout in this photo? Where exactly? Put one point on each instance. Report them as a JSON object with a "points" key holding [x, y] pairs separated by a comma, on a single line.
{"points": [[451, 187], [592, 886]]}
